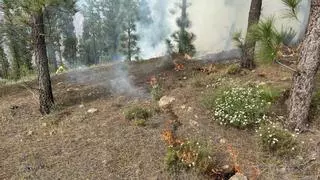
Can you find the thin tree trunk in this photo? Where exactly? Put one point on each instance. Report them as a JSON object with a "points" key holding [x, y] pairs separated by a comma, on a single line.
{"points": [[129, 43], [45, 89], [247, 60], [60, 53], [304, 79], [52, 57], [4, 64]]}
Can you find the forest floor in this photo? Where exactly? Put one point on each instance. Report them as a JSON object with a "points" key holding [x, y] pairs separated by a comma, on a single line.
{"points": [[72, 143]]}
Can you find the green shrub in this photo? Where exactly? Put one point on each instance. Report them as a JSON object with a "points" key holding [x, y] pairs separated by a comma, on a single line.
{"points": [[270, 94], [240, 107], [276, 140], [156, 92], [137, 113], [233, 69]]}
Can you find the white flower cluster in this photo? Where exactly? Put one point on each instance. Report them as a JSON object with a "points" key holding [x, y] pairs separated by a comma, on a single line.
{"points": [[277, 139], [241, 107]]}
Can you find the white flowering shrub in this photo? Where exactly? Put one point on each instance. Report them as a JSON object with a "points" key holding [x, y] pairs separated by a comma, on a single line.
{"points": [[278, 141], [241, 107]]}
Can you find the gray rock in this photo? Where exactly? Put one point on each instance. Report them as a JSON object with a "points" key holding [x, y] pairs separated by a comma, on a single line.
{"points": [[238, 176], [92, 110], [166, 101]]}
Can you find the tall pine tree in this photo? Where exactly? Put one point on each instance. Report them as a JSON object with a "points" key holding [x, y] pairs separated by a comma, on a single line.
{"points": [[129, 35], [183, 38]]}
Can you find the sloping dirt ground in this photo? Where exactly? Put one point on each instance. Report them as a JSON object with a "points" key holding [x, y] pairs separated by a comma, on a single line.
{"points": [[74, 144]]}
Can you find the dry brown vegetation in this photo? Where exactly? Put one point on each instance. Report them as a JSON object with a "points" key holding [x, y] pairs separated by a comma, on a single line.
{"points": [[72, 143]]}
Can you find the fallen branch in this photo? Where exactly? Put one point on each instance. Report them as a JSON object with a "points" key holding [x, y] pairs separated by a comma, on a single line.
{"points": [[285, 66]]}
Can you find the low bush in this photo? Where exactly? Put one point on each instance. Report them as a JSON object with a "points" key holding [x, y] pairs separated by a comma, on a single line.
{"points": [[155, 88], [199, 157], [234, 69], [270, 94], [240, 107], [156, 92], [277, 141], [137, 113]]}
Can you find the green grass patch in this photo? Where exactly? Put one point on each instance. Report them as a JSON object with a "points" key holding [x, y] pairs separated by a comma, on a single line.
{"points": [[278, 141], [137, 113]]}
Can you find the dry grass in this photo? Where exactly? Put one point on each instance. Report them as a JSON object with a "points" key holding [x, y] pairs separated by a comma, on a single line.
{"points": [[74, 144]]}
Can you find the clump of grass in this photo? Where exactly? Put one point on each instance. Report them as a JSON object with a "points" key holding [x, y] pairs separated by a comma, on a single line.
{"points": [[156, 92], [240, 107], [234, 69], [315, 104], [140, 122], [203, 80], [270, 94], [198, 81], [137, 113], [196, 156], [277, 140], [155, 89], [202, 158]]}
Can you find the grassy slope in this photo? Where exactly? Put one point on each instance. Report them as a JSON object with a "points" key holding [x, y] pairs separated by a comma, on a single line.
{"points": [[73, 144]]}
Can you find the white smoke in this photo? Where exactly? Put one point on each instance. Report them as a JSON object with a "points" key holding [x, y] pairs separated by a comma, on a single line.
{"points": [[78, 24], [152, 37], [213, 23]]}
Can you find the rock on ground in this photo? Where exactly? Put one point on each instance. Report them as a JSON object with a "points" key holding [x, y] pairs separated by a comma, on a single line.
{"points": [[238, 176], [166, 101]]}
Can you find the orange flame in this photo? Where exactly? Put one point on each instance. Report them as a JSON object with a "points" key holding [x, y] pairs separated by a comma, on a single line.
{"points": [[179, 67]]}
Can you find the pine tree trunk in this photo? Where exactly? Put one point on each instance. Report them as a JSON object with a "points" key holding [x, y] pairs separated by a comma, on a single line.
{"points": [[52, 57], [129, 43], [304, 79], [247, 60], [4, 64], [45, 90], [60, 54], [16, 62]]}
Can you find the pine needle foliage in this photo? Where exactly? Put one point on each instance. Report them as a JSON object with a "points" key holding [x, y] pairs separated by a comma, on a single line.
{"points": [[269, 38], [238, 40], [291, 10]]}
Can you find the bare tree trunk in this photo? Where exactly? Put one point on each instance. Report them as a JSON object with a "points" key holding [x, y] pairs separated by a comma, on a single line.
{"points": [[247, 60], [129, 42], [45, 89], [304, 79], [60, 54]]}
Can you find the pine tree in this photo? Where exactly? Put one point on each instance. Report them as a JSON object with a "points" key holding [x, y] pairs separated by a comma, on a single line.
{"points": [[129, 36], [92, 45], [112, 27], [304, 78], [18, 35], [247, 59], [68, 34], [33, 12], [52, 35], [183, 38]]}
